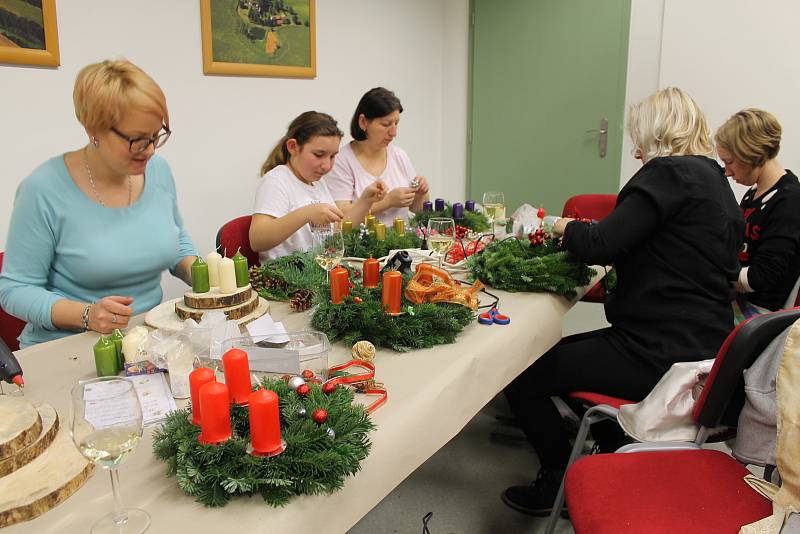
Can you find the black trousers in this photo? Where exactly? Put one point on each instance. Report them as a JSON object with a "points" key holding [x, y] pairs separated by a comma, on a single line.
{"points": [[583, 362]]}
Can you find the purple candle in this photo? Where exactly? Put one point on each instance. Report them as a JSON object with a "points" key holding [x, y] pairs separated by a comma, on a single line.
{"points": [[439, 204], [427, 206], [458, 211], [470, 205]]}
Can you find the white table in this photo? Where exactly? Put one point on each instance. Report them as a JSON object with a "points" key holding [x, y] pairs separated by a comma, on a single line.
{"points": [[433, 394]]}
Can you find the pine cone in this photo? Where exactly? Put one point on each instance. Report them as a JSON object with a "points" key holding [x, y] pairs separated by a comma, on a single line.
{"points": [[300, 300], [256, 278]]}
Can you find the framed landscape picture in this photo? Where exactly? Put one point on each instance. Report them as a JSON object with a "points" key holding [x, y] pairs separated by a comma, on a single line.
{"points": [[28, 32], [259, 37]]}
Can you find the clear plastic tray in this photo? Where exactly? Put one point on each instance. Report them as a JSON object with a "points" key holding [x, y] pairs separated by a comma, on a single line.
{"points": [[290, 353]]}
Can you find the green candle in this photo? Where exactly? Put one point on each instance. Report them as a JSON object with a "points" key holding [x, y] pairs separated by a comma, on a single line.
{"points": [[240, 268], [200, 276], [116, 338], [105, 357]]}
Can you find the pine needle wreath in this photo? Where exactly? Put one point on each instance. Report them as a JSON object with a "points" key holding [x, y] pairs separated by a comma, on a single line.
{"points": [[419, 326], [473, 220], [358, 244], [513, 266], [312, 463]]}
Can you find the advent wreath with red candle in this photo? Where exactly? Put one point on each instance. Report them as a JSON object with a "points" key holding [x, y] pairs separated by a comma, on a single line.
{"points": [[317, 457]]}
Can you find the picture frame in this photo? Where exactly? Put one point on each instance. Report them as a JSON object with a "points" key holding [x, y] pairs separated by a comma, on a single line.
{"points": [[29, 34], [259, 37]]}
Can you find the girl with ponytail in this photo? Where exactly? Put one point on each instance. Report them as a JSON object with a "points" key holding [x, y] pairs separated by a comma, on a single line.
{"points": [[291, 196]]}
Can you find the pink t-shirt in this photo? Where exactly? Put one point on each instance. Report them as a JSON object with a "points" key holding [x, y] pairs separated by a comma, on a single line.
{"points": [[348, 178]]}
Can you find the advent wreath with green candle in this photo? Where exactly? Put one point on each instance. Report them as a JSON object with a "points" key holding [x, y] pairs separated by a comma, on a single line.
{"points": [[538, 265], [472, 220], [317, 458]]}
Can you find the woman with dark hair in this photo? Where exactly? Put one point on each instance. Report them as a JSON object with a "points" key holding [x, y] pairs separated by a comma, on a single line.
{"points": [[371, 157], [291, 196]]}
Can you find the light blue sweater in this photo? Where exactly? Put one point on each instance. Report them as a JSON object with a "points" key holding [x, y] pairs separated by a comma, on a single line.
{"points": [[62, 245]]}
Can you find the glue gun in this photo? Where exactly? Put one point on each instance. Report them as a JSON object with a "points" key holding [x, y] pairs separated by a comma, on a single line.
{"points": [[10, 371]]}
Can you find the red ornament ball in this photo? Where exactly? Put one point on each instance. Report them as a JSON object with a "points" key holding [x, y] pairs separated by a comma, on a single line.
{"points": [[319, 416], [328, 388], [303, 390], [307, 374]]}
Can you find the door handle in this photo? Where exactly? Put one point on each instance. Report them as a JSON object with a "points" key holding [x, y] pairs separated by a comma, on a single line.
{"points": [[602, 143]]}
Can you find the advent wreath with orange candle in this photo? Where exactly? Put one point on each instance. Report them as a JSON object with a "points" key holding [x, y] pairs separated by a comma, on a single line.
{"points": [[326, 436]]}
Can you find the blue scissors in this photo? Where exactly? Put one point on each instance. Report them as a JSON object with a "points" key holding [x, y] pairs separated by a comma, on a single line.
{"points": [[493, 316]]}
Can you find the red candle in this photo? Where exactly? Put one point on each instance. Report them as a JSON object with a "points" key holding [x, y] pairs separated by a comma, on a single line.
{"points": [[390, 293], [197, 379], [237, 375], [371, 275], [265, 422], [340, 284], [215, 426]]}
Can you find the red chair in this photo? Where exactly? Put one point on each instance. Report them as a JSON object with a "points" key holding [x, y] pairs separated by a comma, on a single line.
{"points": [[235, 235], [595, 207], [10, 326], [660, 489]]}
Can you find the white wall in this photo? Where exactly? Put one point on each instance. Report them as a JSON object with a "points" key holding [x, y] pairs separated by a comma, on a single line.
{"points": [[728, 54], [417, 48]]}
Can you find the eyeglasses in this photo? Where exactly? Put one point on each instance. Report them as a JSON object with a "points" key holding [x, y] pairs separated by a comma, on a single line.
{"points": [[140, 144]]}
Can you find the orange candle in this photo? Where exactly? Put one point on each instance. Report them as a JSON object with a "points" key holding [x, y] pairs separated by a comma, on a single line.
{"points": [[197, 379], [237, 375], [215, 426], [265, 422], [390, 293], [340, 284], [371, 274]]}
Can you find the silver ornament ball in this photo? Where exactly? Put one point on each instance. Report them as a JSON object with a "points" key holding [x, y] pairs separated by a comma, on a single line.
{"points": [[301, 411], [295, 382], [331, 433]]}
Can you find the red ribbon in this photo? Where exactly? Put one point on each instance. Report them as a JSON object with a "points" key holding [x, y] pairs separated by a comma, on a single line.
{"points": [[369, 374]]}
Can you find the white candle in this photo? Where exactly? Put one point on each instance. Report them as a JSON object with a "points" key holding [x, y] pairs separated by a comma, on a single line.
{"points": [[212, 259], [227, 276]]}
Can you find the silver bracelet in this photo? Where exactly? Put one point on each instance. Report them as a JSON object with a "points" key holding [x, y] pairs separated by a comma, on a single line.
{"points": [[85, 317]]}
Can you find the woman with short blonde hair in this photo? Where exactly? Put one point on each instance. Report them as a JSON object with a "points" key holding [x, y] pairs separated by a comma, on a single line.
{"points": [[93, 229], [672, 239], [748, 144]]}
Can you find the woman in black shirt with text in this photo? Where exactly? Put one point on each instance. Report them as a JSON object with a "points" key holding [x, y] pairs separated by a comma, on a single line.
{"points": [[673, 239], [748, 145]]}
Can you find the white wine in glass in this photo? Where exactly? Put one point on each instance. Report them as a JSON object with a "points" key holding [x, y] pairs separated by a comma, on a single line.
{"points": [[328, 247], [494, 205], [441, 236], [106, 426]]}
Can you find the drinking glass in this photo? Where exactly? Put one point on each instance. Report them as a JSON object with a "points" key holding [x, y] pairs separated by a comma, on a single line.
{"points": [[106, 426], [327, 246], [441, 235], [494, 205]]}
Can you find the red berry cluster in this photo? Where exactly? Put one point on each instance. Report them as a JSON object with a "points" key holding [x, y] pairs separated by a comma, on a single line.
{"points": [[538, 237], [461, 231]]}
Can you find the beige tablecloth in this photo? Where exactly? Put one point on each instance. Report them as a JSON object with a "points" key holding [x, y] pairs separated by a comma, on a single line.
{"points": [[421, 416]]}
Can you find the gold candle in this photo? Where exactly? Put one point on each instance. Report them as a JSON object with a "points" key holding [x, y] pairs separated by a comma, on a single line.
{"points": [[399, 226], [347, 227], [371, 220], [380, 231]]}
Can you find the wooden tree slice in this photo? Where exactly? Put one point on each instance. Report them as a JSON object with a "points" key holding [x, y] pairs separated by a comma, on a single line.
{"points": [[232, 312], [26, 455], [20, 425], [45, 482], [164, 316], [214, 299]]}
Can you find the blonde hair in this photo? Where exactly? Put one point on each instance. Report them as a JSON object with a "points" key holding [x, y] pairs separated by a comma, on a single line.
{"points": [[105, 90], [669, 123], [752, 136], [307, 125]]}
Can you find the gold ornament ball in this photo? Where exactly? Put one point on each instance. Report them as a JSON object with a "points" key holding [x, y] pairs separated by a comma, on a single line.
{"points": [[364, 350]]}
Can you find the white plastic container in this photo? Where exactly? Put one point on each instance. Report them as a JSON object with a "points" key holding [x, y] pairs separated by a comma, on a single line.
{"points": [[285, 354]]}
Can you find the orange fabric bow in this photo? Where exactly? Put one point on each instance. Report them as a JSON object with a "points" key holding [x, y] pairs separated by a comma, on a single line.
{"points": [[431, 284]]}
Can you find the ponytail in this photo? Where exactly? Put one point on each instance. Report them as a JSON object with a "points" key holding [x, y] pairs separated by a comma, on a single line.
{"points": [[307, 125]]}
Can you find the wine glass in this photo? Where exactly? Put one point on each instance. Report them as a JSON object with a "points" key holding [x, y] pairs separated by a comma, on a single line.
{"points": [[328, 247], [441, 235], [494, 205], [106, 426]]}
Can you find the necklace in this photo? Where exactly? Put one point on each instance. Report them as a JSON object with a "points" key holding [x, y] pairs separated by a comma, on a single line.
{"points": [[94, 188]]}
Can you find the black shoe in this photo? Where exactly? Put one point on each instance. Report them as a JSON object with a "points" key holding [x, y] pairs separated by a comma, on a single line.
{"points": [[537, 498]]}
